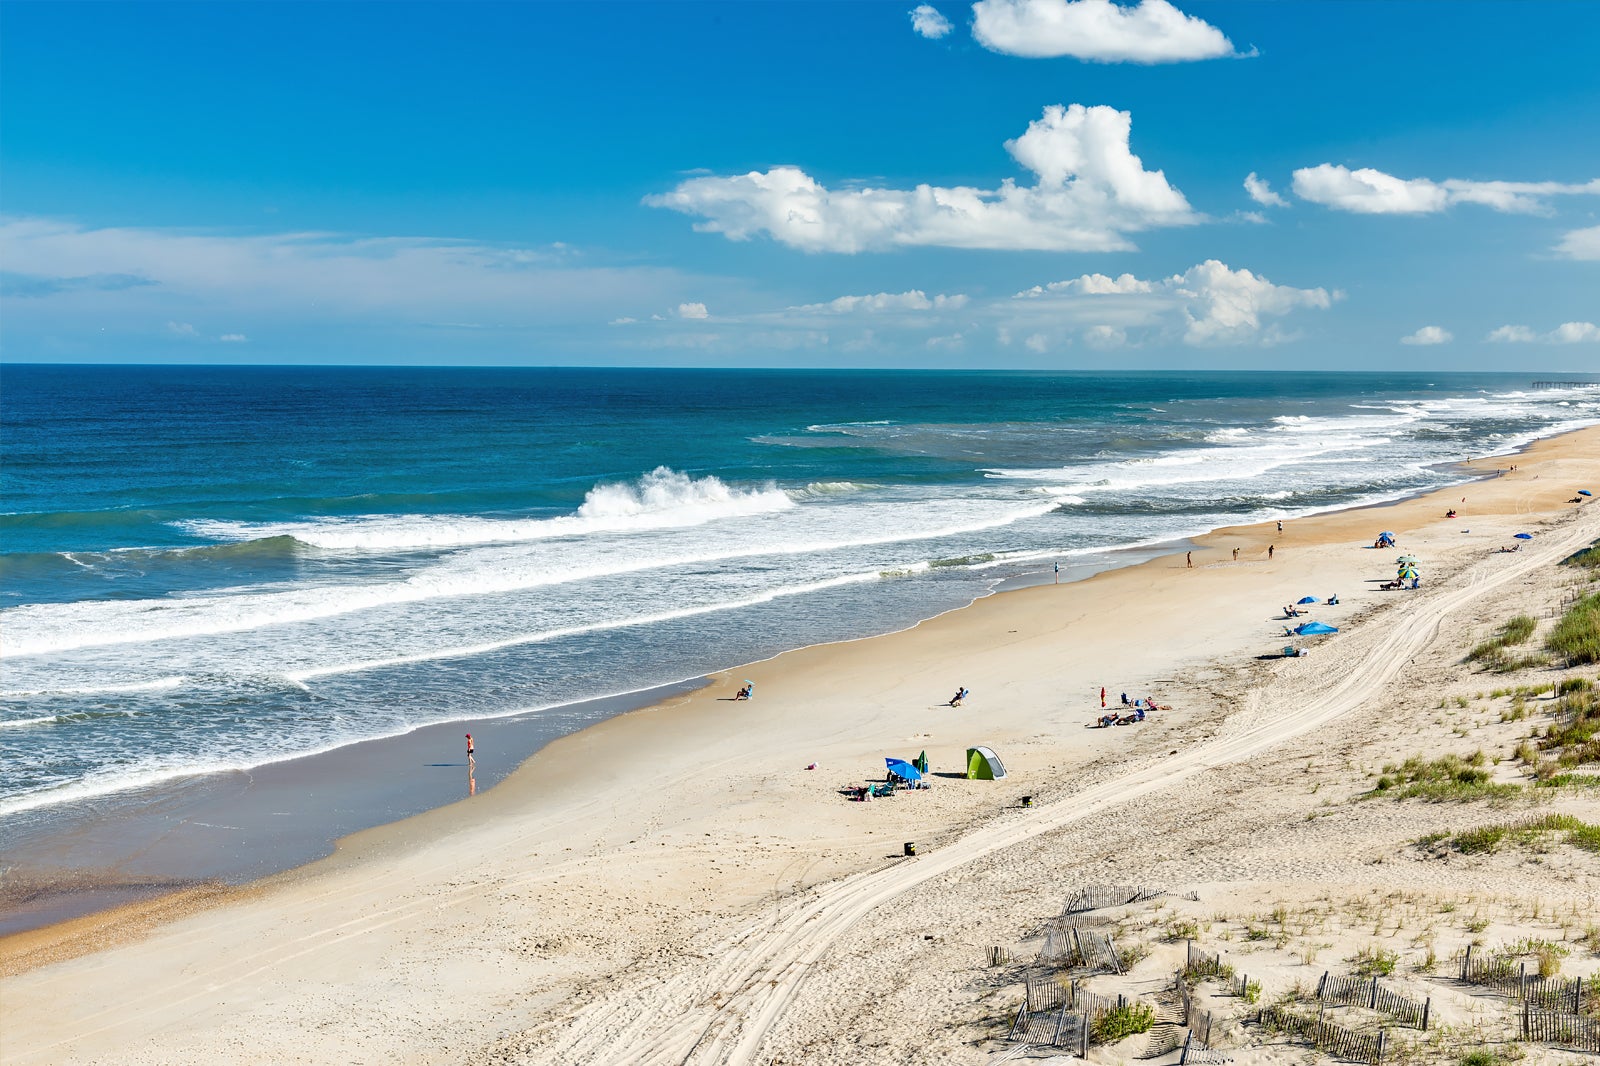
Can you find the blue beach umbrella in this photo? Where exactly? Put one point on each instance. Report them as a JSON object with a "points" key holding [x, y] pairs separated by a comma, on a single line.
{"points": [[903, 770], [1311, 629], [1524, 536], [1386, 533], [1306, 599], [1585, 492]]}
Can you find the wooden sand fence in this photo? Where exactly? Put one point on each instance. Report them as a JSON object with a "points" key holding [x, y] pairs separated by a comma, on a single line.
{"points": [[1069, 945], [1046, 1016], [1510, 977], [1094, 897], [1369, 993], [1560, 1028], [1200, 1023], [1325, 1035], [1201, 963], [1198, 1054]]}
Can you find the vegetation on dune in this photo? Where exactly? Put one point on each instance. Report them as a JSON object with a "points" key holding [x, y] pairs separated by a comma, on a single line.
{"points": [[1527, 831], [1494, 653], [1450, 778], [1120, 1022], [1576, 638]]}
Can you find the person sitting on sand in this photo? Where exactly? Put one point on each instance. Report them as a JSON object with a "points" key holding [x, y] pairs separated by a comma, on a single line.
{"points": [[1107, 720], [1450, 513], [1333, 599], [961, 694]]}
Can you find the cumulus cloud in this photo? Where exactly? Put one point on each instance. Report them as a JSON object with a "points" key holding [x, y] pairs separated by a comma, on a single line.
{"points": [[1580, 244], [693, 311], [1261, 192], [1566, 333], [1105, 338], [233, 338], [1090, 191], [1098, 31], [1429, 335], [926, 20], [914, 300], [1372, 192], [1090, 285], [182, 329]]}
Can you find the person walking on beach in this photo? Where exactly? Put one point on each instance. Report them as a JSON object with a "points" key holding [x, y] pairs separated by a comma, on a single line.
{"points": [[1270, 549], [1280, 525], [1236, 555], [1188, 560], [471, 758]]}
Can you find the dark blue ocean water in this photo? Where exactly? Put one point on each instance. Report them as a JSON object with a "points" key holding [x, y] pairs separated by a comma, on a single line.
{"points": [[209, 568]]}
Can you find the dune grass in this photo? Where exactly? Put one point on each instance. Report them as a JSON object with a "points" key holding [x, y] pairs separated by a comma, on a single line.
{"points": [[1451, 778], [1486, 838], [1576, 638]]}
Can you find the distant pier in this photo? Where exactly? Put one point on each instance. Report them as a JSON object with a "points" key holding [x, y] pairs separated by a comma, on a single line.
{"points": [[1566, 384]]}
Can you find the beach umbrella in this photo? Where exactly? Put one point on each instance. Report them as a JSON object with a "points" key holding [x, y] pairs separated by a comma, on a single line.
{"points": [[1408, 559], [1311, 629], [1386, 533], [921, 762], [1306, 599], [1524, 536], [903, 770], [1585, 492]]}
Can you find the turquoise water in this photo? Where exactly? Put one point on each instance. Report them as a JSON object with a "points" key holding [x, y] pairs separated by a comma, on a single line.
{"points": [[215, 568]]}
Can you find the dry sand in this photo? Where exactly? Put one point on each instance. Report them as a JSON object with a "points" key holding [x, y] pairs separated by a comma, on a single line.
{"points": [[674, 886]]}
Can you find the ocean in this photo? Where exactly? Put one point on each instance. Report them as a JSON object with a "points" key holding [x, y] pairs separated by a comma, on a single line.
{"points": [[209, 569]]}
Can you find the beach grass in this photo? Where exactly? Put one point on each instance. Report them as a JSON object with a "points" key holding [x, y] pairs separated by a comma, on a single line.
{"points": [[1576, 637], [1450, 778]]}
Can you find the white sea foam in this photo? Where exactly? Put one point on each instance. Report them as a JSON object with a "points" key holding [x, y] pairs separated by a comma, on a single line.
{"points": [[470, 650], [45, 628], [662, 499]]}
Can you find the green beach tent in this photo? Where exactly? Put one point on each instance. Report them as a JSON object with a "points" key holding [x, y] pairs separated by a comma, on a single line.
{"points": [[984, 765], [921, 762]]}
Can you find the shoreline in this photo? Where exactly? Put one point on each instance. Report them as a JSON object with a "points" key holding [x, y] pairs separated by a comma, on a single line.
{"points": [[639, 849], [159, 853]]}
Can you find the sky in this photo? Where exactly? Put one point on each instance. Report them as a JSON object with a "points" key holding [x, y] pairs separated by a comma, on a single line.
{"points": [[1046, 184]]}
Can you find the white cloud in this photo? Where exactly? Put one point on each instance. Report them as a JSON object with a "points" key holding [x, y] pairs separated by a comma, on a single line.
{"points": [[1105, 338], [182, 329], [914, 300], [1090, 192], [1226, 306], [693, 311], [1090, 285], [625, 320], [926, 20], [1037, 342], [1566, 333], [1580, 244], [1372, 192], [233, 338], [1261, 192], [1099, 31], [1429, 335], [952, 341]]}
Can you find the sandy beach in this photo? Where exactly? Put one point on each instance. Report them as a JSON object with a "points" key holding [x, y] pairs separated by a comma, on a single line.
{"points": [[676, 885]]}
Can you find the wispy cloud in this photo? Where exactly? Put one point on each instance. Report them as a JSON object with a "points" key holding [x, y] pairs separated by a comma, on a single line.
{"points": [[1372, 192], [66, 275], [1090, 192], [1566, 333], [926, 20], [1098, 31], [1261, 192]]}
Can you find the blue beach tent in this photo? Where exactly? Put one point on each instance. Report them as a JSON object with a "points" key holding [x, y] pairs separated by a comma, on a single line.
{"points": [[1311, 629], [1524, 536]]}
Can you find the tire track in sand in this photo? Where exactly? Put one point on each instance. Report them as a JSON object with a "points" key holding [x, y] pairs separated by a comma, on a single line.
{"points": [[722, 1013]]}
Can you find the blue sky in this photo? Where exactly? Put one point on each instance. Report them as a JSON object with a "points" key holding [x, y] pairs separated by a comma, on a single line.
{"points": [[1028, 183]]}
